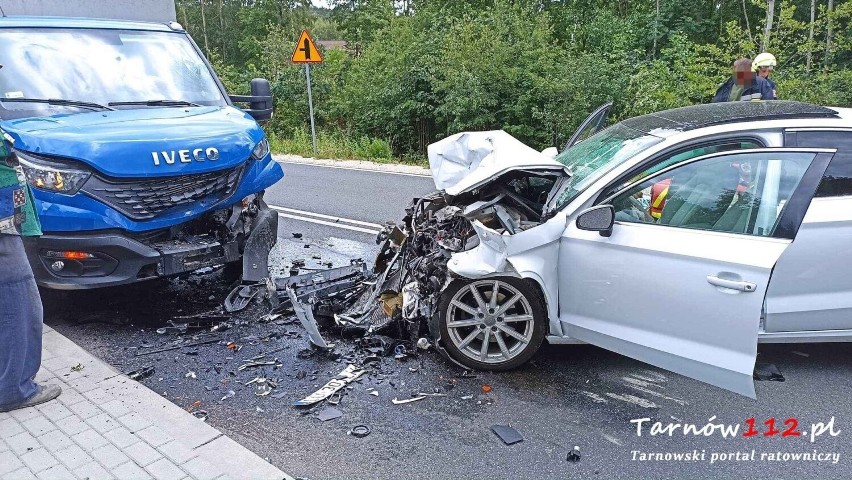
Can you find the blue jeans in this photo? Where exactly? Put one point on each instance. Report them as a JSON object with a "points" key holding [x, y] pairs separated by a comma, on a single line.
{"points": [[20, 323]]}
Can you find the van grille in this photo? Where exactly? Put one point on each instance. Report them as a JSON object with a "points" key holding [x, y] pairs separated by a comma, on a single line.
{"points": [[143, 199]]}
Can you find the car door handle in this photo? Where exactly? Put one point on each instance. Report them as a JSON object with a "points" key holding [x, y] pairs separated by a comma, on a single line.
{"points": [[732, 284]]}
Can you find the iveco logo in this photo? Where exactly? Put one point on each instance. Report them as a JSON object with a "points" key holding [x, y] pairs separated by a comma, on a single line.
{"points": [[185, 156]]}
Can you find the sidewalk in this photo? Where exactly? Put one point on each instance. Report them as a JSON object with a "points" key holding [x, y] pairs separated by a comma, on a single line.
{"points": [[106, 426]]}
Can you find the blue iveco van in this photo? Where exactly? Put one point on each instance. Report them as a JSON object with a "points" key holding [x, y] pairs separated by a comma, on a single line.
{"points": [[140, 164]]}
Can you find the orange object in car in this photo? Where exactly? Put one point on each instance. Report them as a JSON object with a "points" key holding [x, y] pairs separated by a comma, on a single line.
{"points": [[659, 192]]}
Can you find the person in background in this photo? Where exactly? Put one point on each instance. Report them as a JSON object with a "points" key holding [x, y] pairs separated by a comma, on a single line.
{"points": [[764, 64], [744, 85], [20, 303]]}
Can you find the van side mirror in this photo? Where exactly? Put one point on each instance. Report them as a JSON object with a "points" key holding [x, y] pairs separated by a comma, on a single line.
{"points": [[260, 100], [597, 219]]}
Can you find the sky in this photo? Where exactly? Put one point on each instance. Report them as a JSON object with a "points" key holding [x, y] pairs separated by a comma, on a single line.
{"points": [[321, 3]]}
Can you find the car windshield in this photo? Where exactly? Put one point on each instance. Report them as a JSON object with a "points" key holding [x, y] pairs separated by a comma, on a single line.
{"points": [[592, 158], [99, 66]]}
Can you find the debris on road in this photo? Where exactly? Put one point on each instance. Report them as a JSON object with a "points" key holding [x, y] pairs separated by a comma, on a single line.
{"points": [[359, 431], [486, 388], [768, 372], [574, 455], [263, 386], [329, 413], [176, 347], [396, 401], [508, 434], [345, 377], [141, 373], [228, 395], [78, 368], [801, 354]]}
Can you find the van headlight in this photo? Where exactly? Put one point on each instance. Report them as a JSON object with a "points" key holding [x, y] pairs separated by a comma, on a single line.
{"points": [[51, 175], [261, 149]]}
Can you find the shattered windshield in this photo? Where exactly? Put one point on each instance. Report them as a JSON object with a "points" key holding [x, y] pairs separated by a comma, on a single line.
{"points": [[593, 158]]}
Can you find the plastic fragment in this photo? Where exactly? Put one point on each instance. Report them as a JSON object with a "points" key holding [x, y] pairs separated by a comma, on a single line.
{"points": [[329, 413], [396, 401], [486, 388], [574, 455], [767, 371], [508, 434], [359, 431]]}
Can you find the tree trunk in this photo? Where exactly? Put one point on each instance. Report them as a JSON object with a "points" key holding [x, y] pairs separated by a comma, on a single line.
{"points": [[810, 39], [222, 34], [767, 30], [828, 32], [204, 28], [748, 25], [656, 23]]}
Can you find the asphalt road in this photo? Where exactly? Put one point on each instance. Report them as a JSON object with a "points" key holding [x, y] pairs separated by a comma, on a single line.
{"points": [[567, 396]]}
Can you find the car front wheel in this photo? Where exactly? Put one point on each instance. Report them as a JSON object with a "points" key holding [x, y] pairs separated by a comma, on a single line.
{"points": [[492, 324]]}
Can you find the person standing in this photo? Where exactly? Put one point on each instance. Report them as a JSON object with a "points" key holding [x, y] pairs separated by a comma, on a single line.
{"points": [[744, 85], [764, 64], [20, 303]]}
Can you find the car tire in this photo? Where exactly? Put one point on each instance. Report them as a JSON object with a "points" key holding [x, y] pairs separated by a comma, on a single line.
{"points": [[515, 327]]}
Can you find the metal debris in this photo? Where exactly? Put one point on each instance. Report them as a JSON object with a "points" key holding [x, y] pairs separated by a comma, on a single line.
{"points": [[348, 375], [508, 434]]}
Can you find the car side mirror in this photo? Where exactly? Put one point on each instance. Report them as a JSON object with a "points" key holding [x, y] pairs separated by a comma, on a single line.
{"points": [[260, 100], [597, 219]]}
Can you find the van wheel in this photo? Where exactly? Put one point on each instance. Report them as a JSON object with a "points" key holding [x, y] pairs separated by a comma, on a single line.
{"points": [[492, 324]]}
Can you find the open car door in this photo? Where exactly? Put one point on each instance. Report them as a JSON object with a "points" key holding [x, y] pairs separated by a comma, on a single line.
{"points": [[590, 126], [684, 290]]}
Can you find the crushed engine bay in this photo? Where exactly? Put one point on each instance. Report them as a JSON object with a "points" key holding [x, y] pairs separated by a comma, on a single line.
{"points": [[401, 291]]}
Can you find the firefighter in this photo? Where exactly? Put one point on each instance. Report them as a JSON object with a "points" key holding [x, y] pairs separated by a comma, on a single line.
{"points": [[763, 65], [20, 303], [744, 85]]}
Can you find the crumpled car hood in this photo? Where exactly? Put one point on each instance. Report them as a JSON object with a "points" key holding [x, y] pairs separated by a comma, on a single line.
{"points": [[467, 160]]}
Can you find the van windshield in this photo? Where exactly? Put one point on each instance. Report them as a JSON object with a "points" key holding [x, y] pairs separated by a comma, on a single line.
{"points": [[99, 66]]}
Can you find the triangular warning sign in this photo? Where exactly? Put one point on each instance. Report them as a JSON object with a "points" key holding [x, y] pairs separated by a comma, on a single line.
{"points": [[306, 50]]}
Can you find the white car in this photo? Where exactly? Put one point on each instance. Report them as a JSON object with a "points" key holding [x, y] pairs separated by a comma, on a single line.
{"points": [[681, 238]]}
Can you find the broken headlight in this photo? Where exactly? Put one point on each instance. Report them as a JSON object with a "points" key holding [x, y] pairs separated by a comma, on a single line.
{"points": [[51, 175], [261, 149]]}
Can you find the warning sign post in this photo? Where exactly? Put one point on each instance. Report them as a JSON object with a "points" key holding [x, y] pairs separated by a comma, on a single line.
{"points": [[306, 52]]}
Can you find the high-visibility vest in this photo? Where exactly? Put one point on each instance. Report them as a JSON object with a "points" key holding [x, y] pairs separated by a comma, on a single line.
{"points": [[659, 192]]}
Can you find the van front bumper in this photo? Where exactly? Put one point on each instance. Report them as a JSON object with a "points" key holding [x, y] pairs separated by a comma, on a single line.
{"points": [[77, 261]]}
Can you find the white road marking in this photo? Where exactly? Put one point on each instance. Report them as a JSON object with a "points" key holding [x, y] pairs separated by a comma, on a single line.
{"points": [[372, 170], [344, 223], [327, 217]]}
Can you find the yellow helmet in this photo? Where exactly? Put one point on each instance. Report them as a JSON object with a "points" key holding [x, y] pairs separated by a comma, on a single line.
{"points": [[764, 60]]}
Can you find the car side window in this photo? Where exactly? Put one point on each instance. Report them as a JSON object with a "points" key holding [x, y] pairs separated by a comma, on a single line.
{"points": [[736, 193], [837, 181], [684, 155]]}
